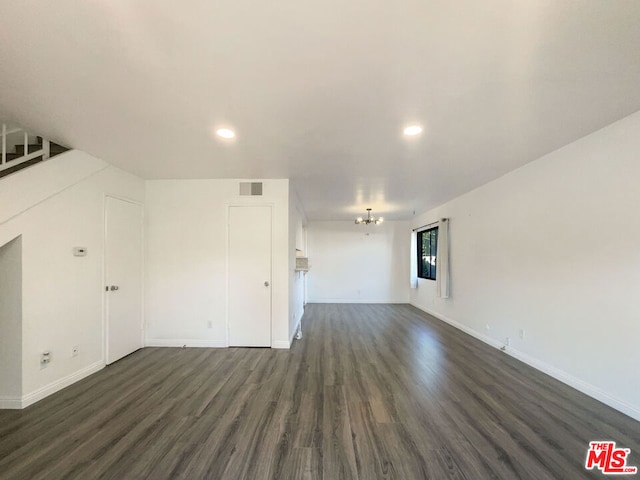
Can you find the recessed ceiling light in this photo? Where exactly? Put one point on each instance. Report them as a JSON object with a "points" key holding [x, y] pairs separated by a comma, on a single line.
{"points": [[225, 133], [412, 130]]}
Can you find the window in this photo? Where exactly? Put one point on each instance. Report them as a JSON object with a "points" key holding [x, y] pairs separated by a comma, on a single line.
{"points": [[427, 252]]}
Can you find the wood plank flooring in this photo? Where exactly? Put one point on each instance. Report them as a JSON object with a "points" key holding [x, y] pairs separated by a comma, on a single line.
{"points": [[371, 391]]}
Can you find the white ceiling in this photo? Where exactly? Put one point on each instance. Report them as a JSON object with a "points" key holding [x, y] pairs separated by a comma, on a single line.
{"points": [[319, 90]]}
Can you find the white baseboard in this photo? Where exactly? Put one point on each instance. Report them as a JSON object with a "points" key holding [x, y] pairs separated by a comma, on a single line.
{"points": [[544, 367], [10, 403], [488, 340], [58, 385], [576, 383], [181, 342], [354, 300]]}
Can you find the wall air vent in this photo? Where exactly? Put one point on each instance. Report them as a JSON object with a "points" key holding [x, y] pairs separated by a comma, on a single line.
{"points": [[251, 188]]}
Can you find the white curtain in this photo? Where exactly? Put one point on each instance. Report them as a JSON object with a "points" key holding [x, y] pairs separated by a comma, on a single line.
{"points": [[413, 271], [442, 261]]}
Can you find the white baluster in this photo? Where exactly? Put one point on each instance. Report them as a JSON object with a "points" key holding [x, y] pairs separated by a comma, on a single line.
{"points": [[4, 144]]}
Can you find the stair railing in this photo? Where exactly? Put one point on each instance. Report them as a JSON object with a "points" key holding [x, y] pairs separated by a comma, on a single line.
{"points": [[11, 159]]}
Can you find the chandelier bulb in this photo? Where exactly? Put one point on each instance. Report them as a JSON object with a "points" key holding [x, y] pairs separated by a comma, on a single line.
{"points": [[370, 219]]}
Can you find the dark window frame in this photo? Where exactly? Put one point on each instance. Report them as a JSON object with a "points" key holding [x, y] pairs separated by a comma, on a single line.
{"points": [[428, 270]]}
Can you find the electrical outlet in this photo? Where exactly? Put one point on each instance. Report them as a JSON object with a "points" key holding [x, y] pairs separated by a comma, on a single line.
{"points": [[507, 342], [522, 333], [487, 327], [45, 359], [209, 324], [74, 351]]}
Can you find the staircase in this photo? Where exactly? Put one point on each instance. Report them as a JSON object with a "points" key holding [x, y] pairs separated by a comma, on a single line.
{"points": [[20, 150]]}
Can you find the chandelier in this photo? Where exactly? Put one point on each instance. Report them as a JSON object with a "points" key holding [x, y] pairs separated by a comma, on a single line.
{"points": [[369, 219]]}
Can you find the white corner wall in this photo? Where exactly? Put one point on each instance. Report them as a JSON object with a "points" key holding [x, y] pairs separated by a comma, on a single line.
{"points": [[553, 249], [54, 206], [297, 240], [358, 263], [186, 255], [11, 324]]}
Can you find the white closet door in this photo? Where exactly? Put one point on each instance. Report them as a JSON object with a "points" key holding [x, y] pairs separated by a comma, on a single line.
{"points": [[249, 276], [124, 257]]}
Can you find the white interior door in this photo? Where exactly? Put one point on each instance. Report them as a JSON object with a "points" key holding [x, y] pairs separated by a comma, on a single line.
{"points": [[123, 265], [250, 276]]}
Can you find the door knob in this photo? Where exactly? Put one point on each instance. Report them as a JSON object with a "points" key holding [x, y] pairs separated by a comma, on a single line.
{"points": [[266, 284], [114, 288]]}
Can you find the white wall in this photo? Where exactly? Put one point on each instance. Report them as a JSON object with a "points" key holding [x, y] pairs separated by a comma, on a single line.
{"points": [[56, 205], [554, 248], [11, 323], [297, 240], [186, 255], [358, 263]]}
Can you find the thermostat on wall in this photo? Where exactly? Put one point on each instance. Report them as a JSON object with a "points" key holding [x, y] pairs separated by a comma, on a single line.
{"points": [[79, 251]]}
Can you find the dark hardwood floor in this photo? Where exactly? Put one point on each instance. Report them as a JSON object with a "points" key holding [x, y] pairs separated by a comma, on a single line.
{"points": [[371, 391]]}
